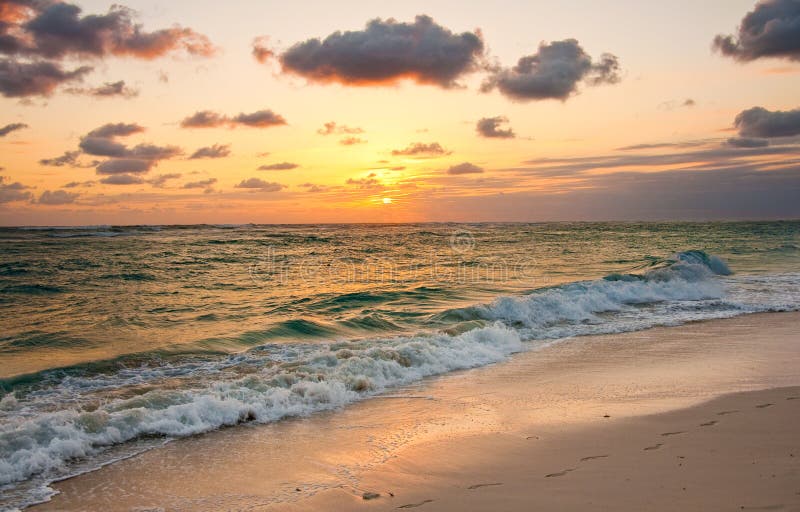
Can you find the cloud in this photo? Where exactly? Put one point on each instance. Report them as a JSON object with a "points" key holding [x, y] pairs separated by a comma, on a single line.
{"points": [[200, 184], [282, 166], [121, 159], [261, 51], [5, 130], [314, 188], [211, 119], [707, 158], [747, 142], [57, 197], [351, 141], [264, 186], [116, 130], [38, 78], [122, 179], [69, 158], [215, 151], [771, 29], [760, 122], [56, 30], [161, 180], [35, 35], [125, 166], [553, 72], [368, 182], [386, 52], [204, 119], [673, 105], [10, 192], [107, 90], [659, 145], [332, 128], [259, 119], [490, 127], [464, 168], [422, 150]]}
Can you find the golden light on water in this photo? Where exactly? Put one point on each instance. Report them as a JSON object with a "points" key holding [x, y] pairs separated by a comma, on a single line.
{"points": [[387, 200]]}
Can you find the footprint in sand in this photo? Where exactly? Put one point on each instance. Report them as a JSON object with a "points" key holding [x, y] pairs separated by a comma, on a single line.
{"points": [[560, 473], [665, 434], [415, 505], [793, 398], [593, 457], [654, 447], [763, 406], [765, 507], [478, 486], [723, 413], [709, 423]]}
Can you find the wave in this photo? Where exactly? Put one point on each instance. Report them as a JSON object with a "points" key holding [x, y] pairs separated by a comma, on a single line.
{"points": [[327, 377], [119, 404]]}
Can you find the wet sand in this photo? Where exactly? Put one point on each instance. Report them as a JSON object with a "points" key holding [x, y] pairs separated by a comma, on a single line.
{"points": [[698, 417]]}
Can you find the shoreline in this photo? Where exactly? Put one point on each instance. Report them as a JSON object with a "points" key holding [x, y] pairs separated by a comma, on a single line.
{"points": [[429, 438]]}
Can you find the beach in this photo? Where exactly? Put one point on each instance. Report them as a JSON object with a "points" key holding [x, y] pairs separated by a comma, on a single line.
{"points": [[695, 417]]}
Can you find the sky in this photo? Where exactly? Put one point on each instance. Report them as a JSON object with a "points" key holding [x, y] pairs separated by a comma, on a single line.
{"points": [[188, 112]]}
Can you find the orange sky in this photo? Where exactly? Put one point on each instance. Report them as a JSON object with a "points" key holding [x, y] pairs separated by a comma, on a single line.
{"points": [[569, 157]]}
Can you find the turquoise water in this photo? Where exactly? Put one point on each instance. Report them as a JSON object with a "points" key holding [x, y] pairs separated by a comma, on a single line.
{"points": [[115, 339]]}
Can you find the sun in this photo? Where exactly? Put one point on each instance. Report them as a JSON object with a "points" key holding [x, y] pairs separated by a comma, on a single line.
{"points": [[387, 200]]}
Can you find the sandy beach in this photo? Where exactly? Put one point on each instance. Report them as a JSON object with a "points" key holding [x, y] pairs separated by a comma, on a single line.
{"points": [[697, 417]]}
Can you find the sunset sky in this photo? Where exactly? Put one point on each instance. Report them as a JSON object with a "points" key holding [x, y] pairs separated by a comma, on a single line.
{"points": [[369, 111]]}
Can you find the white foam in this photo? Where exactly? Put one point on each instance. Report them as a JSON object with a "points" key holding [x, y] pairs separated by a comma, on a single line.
{"points": [[332, 376]]}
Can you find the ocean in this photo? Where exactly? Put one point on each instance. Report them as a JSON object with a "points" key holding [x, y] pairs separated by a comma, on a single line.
{"points": [[116, 340]]}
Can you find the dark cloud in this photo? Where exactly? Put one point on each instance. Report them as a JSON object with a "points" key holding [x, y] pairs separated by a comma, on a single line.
{"points": [[36, 34], [122, 179], [264, 186], [351, 141], [215, 151], [5, 130], [490, 127], [162, 179], [55, 30], [553, 72], [386, 52], [211, 119], [69, 158], [465, 168], [110, 130], [771, 29], [102, 146], [763, 123], [421, 149], [107, 90], [125, 166], [259, 119], [73, 184], [261, 50], [282, 166], [200, 184], [122, 159], [57, 197], [332, 128], [10, 192], [747, 142], [204, 119], [38, 78]]}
